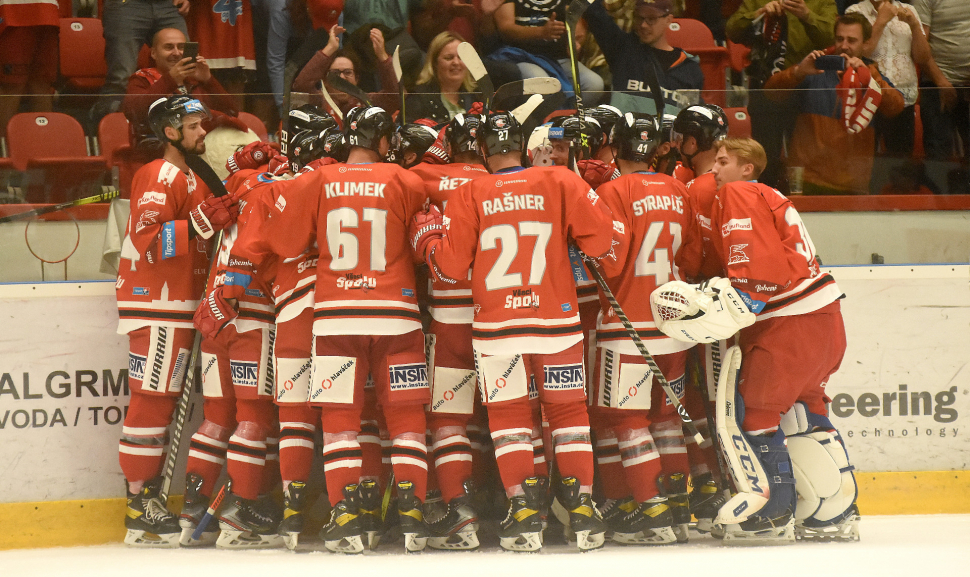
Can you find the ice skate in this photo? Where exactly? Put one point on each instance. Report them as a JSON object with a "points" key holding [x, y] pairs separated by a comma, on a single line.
{"points": [[757, 531], [705, 500], [148, 520], [247, 524], [294, 501], [411, 515], [521, 530], [342, 534], [679, 504], [193, 509], [369, 511], [650, 523], [584, 519], [458, 527], [845, 527]]}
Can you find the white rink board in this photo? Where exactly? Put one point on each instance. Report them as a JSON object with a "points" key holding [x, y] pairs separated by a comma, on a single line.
{"points": [[906, 325]]}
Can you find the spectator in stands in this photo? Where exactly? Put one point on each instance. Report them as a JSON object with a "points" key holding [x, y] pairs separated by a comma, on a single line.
{"points": [[535, 38], [780, 33], [943, 109], [444, 85], [174, 74], [638, 57], [224, 31], [833, 140], [333, 60], [28, 56], [898, 45], [359, 17], [323, 13], [279, 28], [127, 25]]}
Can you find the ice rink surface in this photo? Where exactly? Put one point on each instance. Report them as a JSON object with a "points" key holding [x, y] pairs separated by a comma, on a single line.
{"points": [[911, 546]]}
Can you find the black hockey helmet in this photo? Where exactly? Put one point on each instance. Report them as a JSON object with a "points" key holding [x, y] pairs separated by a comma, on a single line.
{"points": [[309, 116], [304, 147], [367, 125], [607, 116], [171, 111], [635, 137], [335, 145], [707, 123], [499, 133], [667, 128], [411, 137], [583, 134], [461, 132]]}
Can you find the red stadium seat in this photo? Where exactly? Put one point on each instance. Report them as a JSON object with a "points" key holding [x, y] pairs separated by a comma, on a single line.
{"points": [[115, 147], [53, 143], [740, 56], [255, 124], [82, 53], [739, 122], [695, 38]]}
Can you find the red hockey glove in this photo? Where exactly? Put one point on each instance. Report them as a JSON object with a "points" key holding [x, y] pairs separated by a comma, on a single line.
{"points": [[437, 153], [253, 155], [319, 163], [595, 172], [278, 165], [425, 227], [213, 314], [212, 214]]}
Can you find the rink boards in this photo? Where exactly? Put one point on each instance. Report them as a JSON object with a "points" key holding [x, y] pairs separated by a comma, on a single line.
{"points": [[901, 400]]}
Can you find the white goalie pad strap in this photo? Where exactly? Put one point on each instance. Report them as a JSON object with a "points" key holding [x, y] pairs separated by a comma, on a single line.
{"points": [[332, 379], [292, 380], [795, 421], [703, 313], [745, 467], [823, 477]]}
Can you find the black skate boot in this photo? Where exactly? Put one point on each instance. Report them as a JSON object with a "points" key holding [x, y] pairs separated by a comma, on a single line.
{"points": [[705, 501], [613, 511], [342, 533], [650, 523], [247, 524], [193, 509], [148, 520], [294, 501], [521, 530], [584, 518], [679, 504], [411, 514], [369, 509], [844, 527], [458, 527]]}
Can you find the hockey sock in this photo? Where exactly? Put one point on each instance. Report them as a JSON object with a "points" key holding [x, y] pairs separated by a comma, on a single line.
{"points": [[271, 472], [296, 442], [482, 459], [207, 454], [143, 437], [246, 458], [341, 462], [369, 438], [409, 453], [452, 453], [669, 437], [570, 436], [641, 462], [511, 425], [611, 473]]}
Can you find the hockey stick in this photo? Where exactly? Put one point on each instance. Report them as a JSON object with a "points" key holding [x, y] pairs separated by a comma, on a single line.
{"points": [[209, 513], [103, 197], [525, 87], [671, 395], [353, 90], [473, 62], [398, 73], [333, 105], [574, 11]]}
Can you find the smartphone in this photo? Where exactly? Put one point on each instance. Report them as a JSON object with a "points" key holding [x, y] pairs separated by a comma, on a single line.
{"points": [[830, 62], [190, 50]]}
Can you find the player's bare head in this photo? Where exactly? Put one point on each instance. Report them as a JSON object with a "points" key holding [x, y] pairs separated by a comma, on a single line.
{"points": [[738, 159], [635, 138], [167, 45], [370, 128], [177, 120]]}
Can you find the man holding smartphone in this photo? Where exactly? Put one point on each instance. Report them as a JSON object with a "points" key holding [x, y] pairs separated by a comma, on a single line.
{"points": [[833, 140]]}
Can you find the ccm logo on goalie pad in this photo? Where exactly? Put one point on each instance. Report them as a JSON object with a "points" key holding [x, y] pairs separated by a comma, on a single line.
{"points": [[563, 377], [408, 376], [136, 366], [244, 373]]}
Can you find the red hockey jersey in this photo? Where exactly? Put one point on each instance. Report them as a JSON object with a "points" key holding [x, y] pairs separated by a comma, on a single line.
{"points": [[224, 31], [448, 303], [359, 215], [162, 273], [663, 244], [702, 191], [767, 252], [29, 13], [515, 226]]}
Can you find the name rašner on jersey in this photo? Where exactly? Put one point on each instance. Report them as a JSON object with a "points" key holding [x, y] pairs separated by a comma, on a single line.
{"points": [[354, 189], [511, 201]]}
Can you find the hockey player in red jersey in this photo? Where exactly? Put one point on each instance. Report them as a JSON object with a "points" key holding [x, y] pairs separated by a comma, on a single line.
{"points": [[696, 131], [512, 230], [409, 144], [366, 318], [161, 278], [640, 446], [451, 361], [771, 404]]}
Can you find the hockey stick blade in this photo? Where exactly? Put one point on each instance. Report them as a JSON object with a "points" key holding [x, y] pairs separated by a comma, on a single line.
{"points": [[333, 105], [522, 113], [473, 62], [342, 85], [209, 513], [103, 197], [398, 73], [525, 87], [575, 10]]}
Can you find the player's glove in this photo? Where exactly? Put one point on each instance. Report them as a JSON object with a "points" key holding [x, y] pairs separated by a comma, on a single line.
{"points": [[214, 213], [704, 313], [278, 165], [213, 314], [251, 156], [318, 163], [595, 172], [426, 226]]}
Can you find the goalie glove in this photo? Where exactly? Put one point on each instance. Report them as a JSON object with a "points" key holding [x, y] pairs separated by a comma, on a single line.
{"points": [[252, 156], [214, 213], [213, 314], [703, 313], [426, 226]]}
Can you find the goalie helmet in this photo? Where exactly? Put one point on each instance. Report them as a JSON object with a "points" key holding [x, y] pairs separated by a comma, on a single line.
{"points": [[499, 133], [584, 134], [707, 123], [367, 125], [171, 111], [416, 138], [461, 132], [635, 137]]}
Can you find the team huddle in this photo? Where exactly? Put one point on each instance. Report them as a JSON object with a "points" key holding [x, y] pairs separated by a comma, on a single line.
{"points": [[469, 310]]}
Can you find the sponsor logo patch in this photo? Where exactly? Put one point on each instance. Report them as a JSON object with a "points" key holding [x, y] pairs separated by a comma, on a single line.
{"points": [[136, 366], [152, 198], [735, 224], [677, 385], [280, 203], [407, 292], [244, 373], [737, 256], [566, 307], [563, 377], [407, 376], [140, 291]]}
